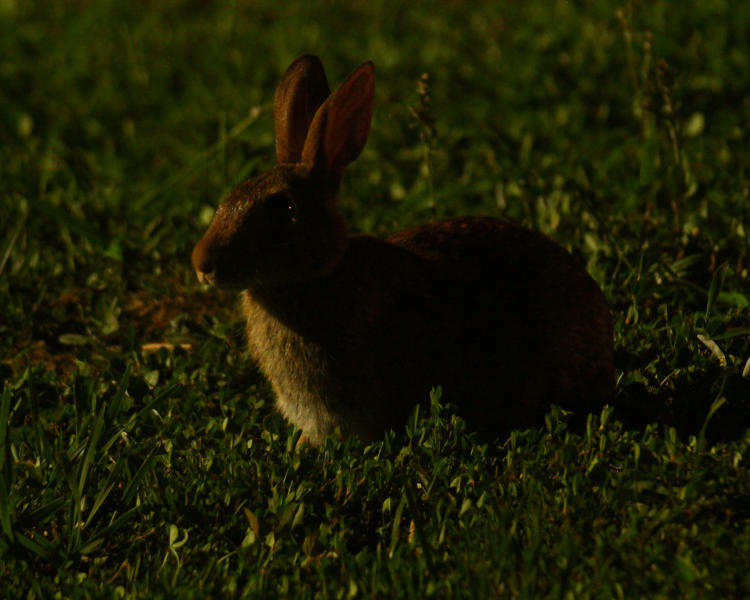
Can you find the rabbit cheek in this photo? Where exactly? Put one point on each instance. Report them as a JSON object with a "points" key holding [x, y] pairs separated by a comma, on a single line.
{"points": [[297, 252]]}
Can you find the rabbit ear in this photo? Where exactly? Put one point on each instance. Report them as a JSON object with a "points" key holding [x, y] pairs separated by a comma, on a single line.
{"points": [[339, 130], [302, 89]]}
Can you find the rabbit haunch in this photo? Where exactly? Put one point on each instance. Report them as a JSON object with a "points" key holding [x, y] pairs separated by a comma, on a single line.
{"points": [[353, 331]]}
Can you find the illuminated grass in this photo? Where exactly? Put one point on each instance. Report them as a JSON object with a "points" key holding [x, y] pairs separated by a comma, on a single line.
{"points": [[128, 469]]}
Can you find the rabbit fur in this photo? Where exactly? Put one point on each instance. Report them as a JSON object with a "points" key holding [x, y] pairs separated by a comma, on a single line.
{"points": [[353, 331]]}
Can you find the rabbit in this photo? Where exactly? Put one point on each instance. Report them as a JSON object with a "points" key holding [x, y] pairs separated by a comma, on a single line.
{"points": [[353, 330]]}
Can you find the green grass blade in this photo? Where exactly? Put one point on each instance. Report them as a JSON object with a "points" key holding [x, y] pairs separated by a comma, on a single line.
{"points": [[44, 511], [717, 281], [6, 473], [715, 405], [79, 393], [38, 546], [4, 413], [419, 527], [89, 547], [122, 389], [5, 462], [5, 509], [12, 242], [162, 394], [731, 333], [88, 457], [143, 470], [98, 501], [113, 439], [74, 512], [397, 525], [114, 526]]}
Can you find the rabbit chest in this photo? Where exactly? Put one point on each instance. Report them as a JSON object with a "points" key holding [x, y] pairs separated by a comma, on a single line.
{"points": [[301, 373]]}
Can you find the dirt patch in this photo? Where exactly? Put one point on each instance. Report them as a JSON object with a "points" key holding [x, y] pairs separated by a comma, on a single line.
{"points": [[152, 315], [66, 331]]}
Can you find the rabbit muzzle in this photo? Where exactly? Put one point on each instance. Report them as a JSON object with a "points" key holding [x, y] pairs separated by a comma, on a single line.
{"points": [[218, 263], [203, 262]]}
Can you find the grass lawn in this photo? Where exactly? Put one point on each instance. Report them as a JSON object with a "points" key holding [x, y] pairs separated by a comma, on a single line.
{"points": [[140, 454]]}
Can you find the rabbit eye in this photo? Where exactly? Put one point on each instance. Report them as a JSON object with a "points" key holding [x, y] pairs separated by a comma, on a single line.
{"points": [[280, 209]]}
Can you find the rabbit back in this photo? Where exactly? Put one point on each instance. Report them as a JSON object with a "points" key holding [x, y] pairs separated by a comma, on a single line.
{"points": [[528, 326]]}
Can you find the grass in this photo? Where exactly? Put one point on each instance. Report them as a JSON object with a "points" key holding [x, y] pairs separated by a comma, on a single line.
{"points": [[130, 468]]}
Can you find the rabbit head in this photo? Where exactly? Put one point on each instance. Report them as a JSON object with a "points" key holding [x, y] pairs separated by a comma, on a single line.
{"points": [[285, 226]]}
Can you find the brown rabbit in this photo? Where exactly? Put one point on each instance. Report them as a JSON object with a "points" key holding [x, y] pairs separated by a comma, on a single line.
{"points": [[354, 331]]}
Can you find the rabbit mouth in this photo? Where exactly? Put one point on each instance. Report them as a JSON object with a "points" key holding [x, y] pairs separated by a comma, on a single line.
{"points": [[225, 280], [206, 278], [225, 283]]}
